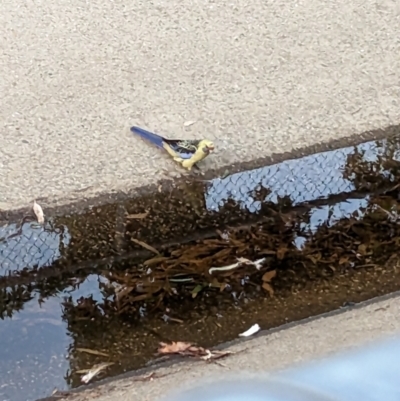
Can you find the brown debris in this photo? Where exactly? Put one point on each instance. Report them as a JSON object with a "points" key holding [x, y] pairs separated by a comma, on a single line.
{"points": [[91, 351], [188, 349], [183, 271], [137, 216], [146, 246]]}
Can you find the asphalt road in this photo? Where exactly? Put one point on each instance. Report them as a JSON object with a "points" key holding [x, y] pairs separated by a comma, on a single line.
{"points": [[256, 77]]}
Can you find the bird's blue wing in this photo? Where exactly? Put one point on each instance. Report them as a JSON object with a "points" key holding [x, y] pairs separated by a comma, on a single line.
{"points": [[185, 149], [149, 136]]}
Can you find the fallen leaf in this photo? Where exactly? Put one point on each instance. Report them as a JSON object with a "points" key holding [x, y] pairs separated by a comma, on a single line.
{"points": [[174, 347], [280, 254], [314, 258], [37, 209], [268, 276], [188, 123], [211, 356], [137, 215], [122, 292], [155, 260], [362, 249], [187, 349], [144, 245], [268, 287], [95, 370], [196, 290], [252, 330], [91, 351], [267, 252]]}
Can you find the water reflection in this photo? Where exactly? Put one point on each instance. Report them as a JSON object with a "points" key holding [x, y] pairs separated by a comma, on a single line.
{"points": [[30, 246], [33, 358], [302, 180], [40, 340], [329, 215]]}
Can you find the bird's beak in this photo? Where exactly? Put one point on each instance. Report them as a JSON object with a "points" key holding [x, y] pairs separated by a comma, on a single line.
{"points": [[210, 150]]}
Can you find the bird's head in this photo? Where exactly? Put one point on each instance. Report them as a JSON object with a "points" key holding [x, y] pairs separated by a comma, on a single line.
{"points": [[206, 146]]}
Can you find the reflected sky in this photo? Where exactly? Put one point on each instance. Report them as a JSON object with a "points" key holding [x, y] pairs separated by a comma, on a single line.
{"points": [[33, 246], [312, 177], [34, 346]]}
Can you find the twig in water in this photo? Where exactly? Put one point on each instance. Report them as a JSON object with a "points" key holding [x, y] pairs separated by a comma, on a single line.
{"points": [[240, 261]]}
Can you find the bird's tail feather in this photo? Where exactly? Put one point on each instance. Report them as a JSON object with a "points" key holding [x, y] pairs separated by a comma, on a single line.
{"points": [[149, 136]]}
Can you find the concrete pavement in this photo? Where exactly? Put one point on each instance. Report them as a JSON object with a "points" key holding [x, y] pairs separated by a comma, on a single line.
{"points": [[257, 77], [271, 352]]}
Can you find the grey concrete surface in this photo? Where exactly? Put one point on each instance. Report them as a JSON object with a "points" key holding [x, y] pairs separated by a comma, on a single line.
{"points": [[269, 353], [258, 77]]}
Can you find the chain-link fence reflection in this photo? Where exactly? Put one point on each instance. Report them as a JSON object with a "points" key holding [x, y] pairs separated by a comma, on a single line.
{"points": [[30, 246], [302, 180], [361, 168]]}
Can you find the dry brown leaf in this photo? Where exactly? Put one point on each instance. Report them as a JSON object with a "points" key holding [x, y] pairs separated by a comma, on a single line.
{"points": [[281, 252], [155, 260], [187, 349], [211, 356], [144, 245], [176, 347], [95, 371], [37, 209], [267, 252], [137, 215], [140, 297], [268, 276], [91, 351], [362, 249], [314, 258], [267, 287], [122, 292]]}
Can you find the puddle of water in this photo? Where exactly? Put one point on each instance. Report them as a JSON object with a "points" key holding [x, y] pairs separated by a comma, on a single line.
{"points": [[52, 303], [176, 213], [317, 176], [40, 351], [30, 246]]}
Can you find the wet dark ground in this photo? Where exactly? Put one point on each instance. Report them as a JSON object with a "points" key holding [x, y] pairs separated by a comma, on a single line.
{"points": [[326, 224]]}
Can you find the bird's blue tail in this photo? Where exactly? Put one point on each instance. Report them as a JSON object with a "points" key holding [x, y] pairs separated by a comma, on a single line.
{"points": [[149, 136]]}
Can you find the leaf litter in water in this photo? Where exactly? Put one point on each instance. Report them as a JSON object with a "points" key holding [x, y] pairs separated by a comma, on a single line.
{"points": [[94, 371], [252, 330], [137, 215], [177, 272], [240, 261], [266, 278], [146, 246], [188, 349], [91, 351]]}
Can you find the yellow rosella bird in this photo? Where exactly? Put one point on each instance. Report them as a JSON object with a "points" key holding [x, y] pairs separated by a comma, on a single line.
{"points": [[185, 152]]}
